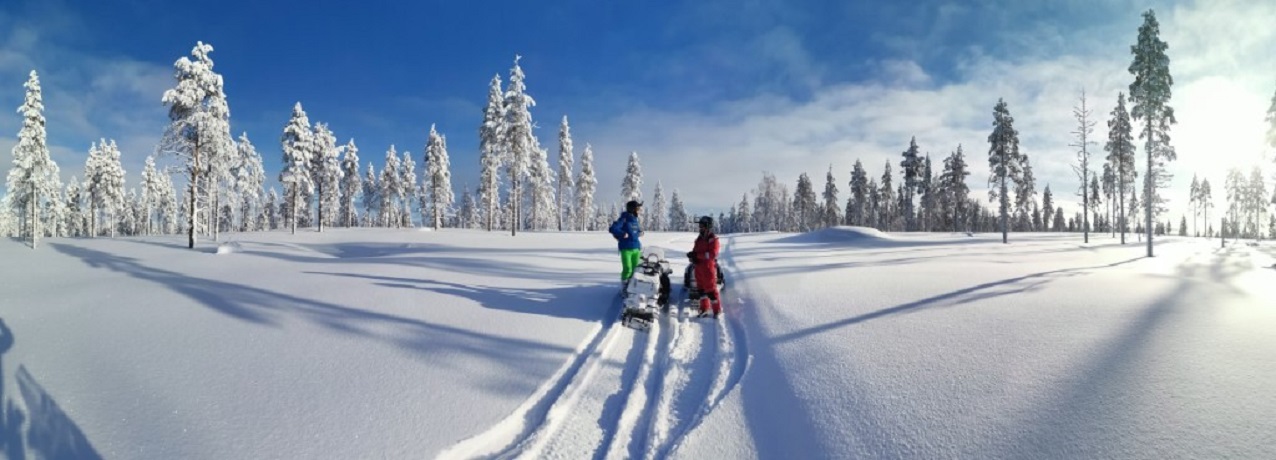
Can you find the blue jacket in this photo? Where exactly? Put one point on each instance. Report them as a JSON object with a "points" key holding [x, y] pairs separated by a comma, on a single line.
{"points": [[626, 231]]}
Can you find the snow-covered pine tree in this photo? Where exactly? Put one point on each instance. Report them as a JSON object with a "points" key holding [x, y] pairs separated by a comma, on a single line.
{"points": [[438, 177], [389, 190], [586, 185], [872, 213], [325, 169], [1085, 126], [1095, 201], [220, 183], [408, 189], [371, 197], [541, 178], [1004, 161], [631, 186], [1150, 97], [519, 141], [954, 192], [566, 184], [1193, 200], [857, 203], [911, 168], [351, 184], [1047, 203], [34, 174], [92, 189], [1207, 201], [491, 148], [659, 210], [677, 213], [200, 122], [250, 180], [298, 147], [832, 216], [1120, 148]]}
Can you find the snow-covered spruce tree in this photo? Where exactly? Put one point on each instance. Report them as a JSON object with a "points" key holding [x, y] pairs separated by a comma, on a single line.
{"points": [[408, 189], [832, 215], [631, 186], [886, 202], [954, 192], [351, 184], [1193, 201], [109, 186], [74, 208], [1047, 203], [1109, 193], [519, 141], [33, 176], [1004, 161], [659, 211], [325, 169], [438, 178], [1256, 200], [271, 208], [858, 201], [1026, 195], [1095, 201], [743, 218], [389, 190], [565, 182], [371, 197], [872, 213], [586, 185], [152, 194], [298, 146], [220, 183], [170, 208], [92, 174], [926, 188], [911, 168], [1085, 127], [1120, 148], [250, 181], [1150, 98], [677, 213], [1207, 202], [541, 179], [491, 153], [805, 207]]}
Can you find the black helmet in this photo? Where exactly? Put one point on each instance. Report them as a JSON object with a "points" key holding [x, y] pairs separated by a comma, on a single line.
{"points": [[633, 205], [705, 221]]}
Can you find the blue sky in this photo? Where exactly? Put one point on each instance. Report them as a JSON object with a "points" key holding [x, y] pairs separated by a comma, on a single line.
{"points": [[709, 93]]}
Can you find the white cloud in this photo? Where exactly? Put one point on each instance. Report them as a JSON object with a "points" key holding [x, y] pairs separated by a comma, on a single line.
{"points": [[1220, 58]]}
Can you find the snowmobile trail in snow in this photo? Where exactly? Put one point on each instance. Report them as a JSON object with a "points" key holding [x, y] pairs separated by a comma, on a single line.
{"points": [[623, 393]]}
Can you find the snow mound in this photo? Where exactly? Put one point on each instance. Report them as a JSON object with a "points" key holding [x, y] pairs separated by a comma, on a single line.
{"points": [[229, 247], [851, 236]]}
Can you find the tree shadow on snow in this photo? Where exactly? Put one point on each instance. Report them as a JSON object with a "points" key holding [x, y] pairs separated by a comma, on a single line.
{"points": [[51, 434], [1008, 286], [268, 308]]}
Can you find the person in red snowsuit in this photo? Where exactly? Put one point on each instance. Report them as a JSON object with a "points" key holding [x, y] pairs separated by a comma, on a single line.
{"points": [[704, 260]]}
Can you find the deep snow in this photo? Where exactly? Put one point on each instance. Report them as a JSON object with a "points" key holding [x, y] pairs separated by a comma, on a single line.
{"points": [[841, 343]]}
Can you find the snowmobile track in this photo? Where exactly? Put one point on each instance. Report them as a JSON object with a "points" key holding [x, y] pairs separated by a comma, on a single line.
{"points": [[625, 393]]}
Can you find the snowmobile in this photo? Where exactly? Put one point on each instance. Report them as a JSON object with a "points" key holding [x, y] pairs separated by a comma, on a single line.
{"points": [[647, 292], [689, 283]]}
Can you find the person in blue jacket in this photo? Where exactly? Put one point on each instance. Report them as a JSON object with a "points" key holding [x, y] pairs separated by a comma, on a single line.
{"points": [[626, 229]]}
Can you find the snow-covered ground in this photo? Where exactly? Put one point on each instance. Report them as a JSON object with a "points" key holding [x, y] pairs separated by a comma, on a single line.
{"points": [[841, 343]]}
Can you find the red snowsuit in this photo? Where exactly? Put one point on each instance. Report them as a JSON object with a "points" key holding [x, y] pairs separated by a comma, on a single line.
{"points": [[706, 270]]}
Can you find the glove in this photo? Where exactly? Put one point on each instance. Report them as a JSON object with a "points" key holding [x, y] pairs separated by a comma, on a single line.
{"points": [[692, 257]]}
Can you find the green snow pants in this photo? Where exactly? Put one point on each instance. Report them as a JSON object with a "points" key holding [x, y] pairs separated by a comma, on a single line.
{"points": [[629, 258]]}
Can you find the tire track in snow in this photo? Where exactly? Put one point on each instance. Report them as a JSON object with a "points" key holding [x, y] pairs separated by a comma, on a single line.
{"points": [[521, 427]]}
